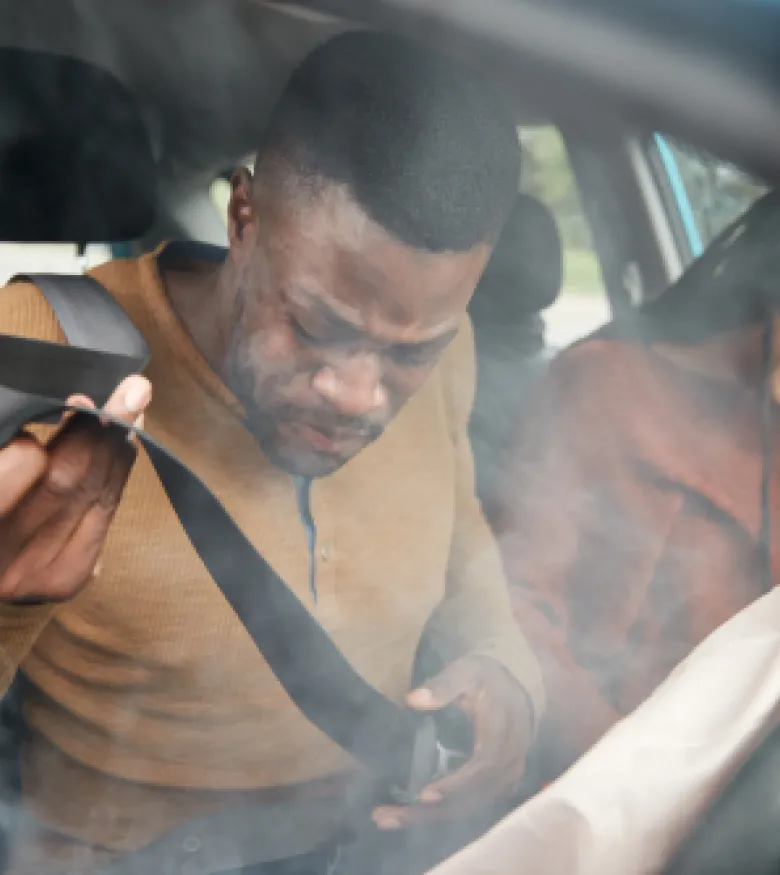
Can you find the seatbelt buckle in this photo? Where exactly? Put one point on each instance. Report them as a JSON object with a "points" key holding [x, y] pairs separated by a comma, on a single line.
{"points": [[430, 761]]}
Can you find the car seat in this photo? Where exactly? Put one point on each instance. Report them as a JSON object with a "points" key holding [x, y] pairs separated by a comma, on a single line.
{"points": [[522, 279]]}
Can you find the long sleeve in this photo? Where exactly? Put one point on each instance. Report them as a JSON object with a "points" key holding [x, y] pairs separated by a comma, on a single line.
{"points": [[578, 531], [475, 616], [25, 313]]}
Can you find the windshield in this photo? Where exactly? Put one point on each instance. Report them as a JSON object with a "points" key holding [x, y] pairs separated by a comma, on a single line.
{"points": [[375, 435]]}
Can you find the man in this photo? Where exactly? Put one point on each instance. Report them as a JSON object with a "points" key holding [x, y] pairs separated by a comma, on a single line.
{"points": [[319, 370]]}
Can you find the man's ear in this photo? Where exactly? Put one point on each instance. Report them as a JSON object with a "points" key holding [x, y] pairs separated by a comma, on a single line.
{"points": [[240, 210]]}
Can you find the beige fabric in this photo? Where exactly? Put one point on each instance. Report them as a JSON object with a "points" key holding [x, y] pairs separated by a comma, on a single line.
{"points": [[626, 805]]}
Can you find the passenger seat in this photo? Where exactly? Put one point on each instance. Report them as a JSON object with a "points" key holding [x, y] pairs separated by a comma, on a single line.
{"points": [[521, 280]]}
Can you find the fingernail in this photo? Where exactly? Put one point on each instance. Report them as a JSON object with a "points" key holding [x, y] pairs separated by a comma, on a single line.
{"points": [[138, 425], [430, 796], [422, 698], [137, 396], [80, 401], [388, 823], [325, 381], [96, 569]]}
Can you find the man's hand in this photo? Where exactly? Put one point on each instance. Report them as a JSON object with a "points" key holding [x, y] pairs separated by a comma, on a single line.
{"points": [[500, 714], [57, 500]]}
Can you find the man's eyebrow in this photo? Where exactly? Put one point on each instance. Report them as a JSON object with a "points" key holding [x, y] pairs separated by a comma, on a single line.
{"points": [[430, 343], [333, 319], [348, 330]]}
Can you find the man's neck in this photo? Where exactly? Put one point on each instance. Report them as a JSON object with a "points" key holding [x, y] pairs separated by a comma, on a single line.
{"points": [[196, 295]]}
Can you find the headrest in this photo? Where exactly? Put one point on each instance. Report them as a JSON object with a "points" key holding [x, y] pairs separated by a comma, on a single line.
{"points": [[524, 274], [75, 160]]}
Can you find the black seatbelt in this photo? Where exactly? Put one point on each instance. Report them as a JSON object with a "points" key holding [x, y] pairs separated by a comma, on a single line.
{"points": [[37, 377], [739, 832]]}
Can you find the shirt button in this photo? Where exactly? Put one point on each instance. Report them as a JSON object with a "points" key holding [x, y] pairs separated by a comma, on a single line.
{"points": [[325, 553], [191, 845]]}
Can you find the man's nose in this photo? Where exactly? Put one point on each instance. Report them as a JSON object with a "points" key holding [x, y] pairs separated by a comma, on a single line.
{"points": [[353, 385]]}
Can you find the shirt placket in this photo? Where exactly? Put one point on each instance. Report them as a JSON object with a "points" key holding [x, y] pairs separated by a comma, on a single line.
{"points": [[319, 529]]}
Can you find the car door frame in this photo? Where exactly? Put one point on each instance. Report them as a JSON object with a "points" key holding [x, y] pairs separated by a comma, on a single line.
{"points": [[631, 222]]}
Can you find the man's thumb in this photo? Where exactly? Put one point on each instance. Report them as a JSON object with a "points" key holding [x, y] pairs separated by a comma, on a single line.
{"points": [[442, 690]]}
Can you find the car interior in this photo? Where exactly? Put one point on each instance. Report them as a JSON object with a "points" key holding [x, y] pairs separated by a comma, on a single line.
{"points": [[121, 123], [521, 281]]}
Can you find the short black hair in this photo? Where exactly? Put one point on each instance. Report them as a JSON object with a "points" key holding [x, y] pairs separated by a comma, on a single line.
{"points": [[427, 148]]}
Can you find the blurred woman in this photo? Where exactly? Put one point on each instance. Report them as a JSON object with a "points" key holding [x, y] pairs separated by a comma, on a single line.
{"points": [[641, 508]]}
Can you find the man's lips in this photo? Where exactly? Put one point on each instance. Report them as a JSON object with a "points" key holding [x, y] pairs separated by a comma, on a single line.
{"points": [[326, 439]]}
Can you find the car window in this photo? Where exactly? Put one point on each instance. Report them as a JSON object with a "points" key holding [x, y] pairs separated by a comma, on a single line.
{"points": [[219, 192], [48, 258], [708, 192], [582, 306]]}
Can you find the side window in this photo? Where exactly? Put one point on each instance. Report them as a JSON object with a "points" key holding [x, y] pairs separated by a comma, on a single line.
{"points": [[48, 258], [220, 195], [546, 173], [709, 193]]}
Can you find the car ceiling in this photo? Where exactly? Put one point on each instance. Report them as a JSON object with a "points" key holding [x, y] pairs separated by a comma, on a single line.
{"points": [[206, 72], [705, 70]]}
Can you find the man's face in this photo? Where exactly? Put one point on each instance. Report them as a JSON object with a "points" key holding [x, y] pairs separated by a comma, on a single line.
{"points": [[335, 322]]}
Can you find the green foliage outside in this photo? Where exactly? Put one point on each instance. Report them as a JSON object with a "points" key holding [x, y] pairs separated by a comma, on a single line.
{"points": [[719, 193], [581, 272], [547, 175]]}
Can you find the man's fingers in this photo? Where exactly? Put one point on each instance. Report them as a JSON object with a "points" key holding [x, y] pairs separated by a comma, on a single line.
{"points": [[467, 781], [475, 785], [495, 767], [80, 401], [22, 465], [56, 503], [90, 463], [130, 399], [43, 517], [82, 459], [59, 533], [79, 557], [75, 401], [56, 574], [128, 402], [402, 817], [78, 560], [470, 786], [484, 768], [456, 680], [75, 472], [122, 459]]}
